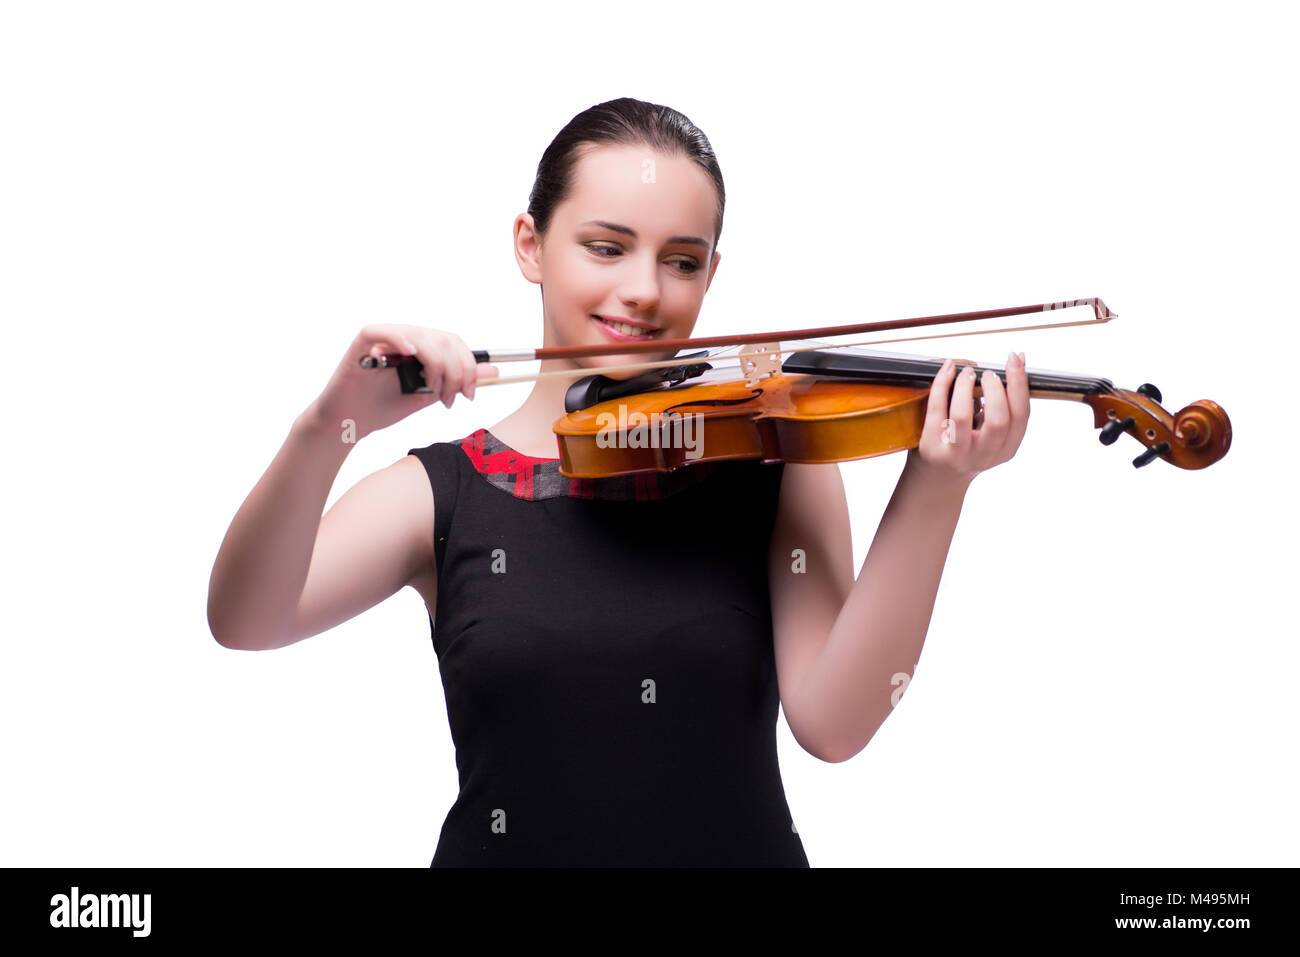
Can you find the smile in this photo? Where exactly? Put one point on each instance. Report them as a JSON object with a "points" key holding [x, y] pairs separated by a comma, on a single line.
{"points": [[624, 331]]}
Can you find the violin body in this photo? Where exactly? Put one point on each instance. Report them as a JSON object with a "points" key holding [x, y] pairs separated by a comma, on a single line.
{"points": [[842, 407], [786, 418]]}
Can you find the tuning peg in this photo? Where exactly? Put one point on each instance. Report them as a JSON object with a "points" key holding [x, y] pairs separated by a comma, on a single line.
{"points": [[1151, 453], [1113, 429], [1150, 391]]}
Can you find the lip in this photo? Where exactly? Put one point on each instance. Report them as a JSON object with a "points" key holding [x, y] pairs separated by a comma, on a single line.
{"points": [[615, 334]]}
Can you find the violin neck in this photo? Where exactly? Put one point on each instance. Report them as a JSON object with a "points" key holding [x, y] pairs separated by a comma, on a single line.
{"points": [[919, 372]]}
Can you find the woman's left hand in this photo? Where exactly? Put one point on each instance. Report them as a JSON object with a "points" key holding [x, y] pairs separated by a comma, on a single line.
{"points": [[959, 442]]}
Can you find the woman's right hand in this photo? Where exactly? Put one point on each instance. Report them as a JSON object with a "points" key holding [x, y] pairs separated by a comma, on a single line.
{"points": [[372, 399]]}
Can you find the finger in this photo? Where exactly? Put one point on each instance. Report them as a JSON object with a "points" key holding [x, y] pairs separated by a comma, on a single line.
{"points": [[937, 409], [1017, 397], [451, 376], [417, 347], [996, 416], [996, 413], [468, 377], [962, 409], [387, 334], [485, 370], [384, 347], [427, 353]]}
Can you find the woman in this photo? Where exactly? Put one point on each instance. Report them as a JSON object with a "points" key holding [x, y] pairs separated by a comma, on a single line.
{"points": [[613, 652]]}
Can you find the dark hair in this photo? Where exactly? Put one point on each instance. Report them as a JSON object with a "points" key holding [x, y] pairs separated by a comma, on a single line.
{"points": [[624, 122]]}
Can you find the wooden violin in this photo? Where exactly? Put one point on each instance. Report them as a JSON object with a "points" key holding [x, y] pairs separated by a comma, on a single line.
{"points": [[817, 405]]}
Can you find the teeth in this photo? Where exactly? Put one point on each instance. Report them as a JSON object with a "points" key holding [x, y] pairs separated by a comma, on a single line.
{"points": [[626, 329]]}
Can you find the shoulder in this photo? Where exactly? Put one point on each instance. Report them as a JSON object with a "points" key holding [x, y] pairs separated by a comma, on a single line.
{"points": [[429, 474], [437, 456], [408, 482]]}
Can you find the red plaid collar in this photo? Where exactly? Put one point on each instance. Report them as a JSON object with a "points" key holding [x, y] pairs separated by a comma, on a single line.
{"points": [[533, 478]]}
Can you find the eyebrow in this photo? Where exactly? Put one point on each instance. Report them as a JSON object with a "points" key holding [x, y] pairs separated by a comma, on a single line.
{"points": [[627, 230]]}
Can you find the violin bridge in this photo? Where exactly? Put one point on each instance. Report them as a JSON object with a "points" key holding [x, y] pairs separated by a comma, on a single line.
{"points": [[759, 360]]}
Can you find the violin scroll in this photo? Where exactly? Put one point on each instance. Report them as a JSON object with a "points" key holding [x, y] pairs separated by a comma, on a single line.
{"points": [[1197, 436]]}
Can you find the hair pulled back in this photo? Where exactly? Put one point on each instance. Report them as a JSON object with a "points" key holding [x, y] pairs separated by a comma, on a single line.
{"points": [[621, 122]]}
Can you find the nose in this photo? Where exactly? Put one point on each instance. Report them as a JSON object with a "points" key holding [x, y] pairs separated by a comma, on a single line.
{"points": [[639, 286]]}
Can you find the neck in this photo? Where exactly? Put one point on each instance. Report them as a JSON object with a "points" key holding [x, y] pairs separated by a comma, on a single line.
{"points": [[529, 429]]}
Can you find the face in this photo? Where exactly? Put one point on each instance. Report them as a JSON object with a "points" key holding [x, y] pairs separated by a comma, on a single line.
{"points": [[632, 243]]}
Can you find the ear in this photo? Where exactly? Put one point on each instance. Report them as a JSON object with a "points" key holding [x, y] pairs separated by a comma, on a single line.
{"points": [[528, 248]]}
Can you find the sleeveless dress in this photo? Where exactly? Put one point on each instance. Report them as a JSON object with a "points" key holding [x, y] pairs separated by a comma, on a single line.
{"points": [[605, 649]]}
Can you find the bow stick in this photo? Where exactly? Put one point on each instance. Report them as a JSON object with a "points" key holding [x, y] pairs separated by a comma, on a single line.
{"points": [[764, 339]]}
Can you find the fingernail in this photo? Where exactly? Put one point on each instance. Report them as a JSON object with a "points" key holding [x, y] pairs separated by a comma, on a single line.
{"points": [[1021, 357]]}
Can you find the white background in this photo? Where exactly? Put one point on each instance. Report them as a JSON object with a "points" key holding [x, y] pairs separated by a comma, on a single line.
{"points": [[203, 202]]}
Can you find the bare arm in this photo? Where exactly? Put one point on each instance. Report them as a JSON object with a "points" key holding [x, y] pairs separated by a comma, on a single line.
{"points": [[284, 573], [850, 643], [846, 648], [811, 575]]}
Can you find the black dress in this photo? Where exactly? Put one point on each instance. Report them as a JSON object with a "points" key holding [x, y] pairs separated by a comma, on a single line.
{"points": [[606, 655]]}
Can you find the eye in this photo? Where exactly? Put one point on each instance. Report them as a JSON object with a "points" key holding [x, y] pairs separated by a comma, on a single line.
{"points": [[685, 266]]}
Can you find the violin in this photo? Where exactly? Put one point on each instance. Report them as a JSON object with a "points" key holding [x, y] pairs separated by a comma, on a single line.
{"points": [[816, 405]]}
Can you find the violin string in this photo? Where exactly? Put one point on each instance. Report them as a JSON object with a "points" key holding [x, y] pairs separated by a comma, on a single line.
{"points": [[1059, 381]]}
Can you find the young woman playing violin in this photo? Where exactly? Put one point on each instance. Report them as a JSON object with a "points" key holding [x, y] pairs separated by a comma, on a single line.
{"points": [[613, 651]]}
